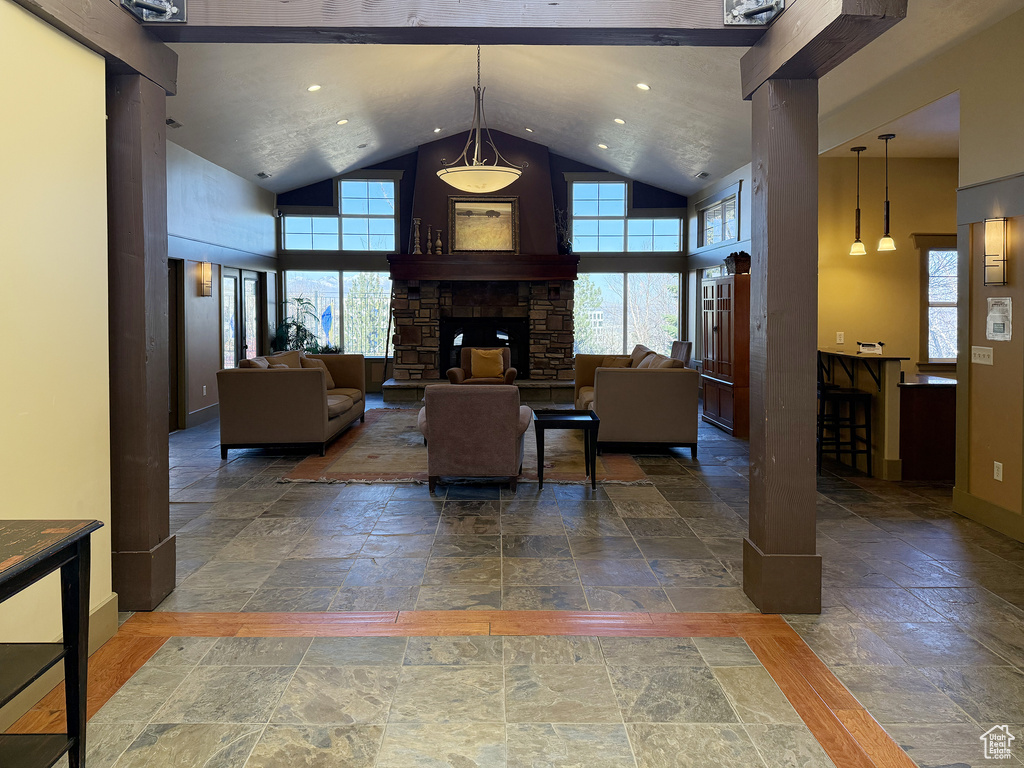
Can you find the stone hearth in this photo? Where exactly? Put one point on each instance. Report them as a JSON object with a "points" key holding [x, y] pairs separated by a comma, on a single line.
{"points": [[421, 304]]}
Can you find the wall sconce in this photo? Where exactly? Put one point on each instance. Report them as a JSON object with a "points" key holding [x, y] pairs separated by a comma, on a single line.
{"points": [[205, 278], [995, 251]]}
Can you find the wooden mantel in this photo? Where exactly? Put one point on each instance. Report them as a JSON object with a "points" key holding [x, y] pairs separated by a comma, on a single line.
{"points": [[482, 266]]}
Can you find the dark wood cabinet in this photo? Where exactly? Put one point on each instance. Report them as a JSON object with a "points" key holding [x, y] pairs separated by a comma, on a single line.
{"points": [[725, 311]]}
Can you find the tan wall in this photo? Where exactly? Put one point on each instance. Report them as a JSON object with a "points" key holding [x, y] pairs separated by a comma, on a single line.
{"points": [[211, 205], [987, 70], [996, 406], [877, 297], [202, 333], [54, 417]]}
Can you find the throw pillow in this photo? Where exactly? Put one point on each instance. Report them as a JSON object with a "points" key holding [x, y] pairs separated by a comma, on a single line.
{"points": [[668, 362], [281, 366], [255, 362], [486, 364], [649, 361], [315, 362], [613, 361], [638, 354], [288, 359]]}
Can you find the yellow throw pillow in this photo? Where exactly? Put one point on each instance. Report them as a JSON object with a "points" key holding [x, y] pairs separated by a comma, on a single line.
{"points": [[614, 361], [315, 362], [486, 364]]}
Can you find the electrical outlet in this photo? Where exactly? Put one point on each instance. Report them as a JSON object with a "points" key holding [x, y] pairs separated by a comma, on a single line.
{"points": [[997, 470], [981, 355], [204, 390], [840, 337]]}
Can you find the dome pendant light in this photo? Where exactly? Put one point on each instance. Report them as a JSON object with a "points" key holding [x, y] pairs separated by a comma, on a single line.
{"points": [[887, 243], [475, 175], [858, 249]]}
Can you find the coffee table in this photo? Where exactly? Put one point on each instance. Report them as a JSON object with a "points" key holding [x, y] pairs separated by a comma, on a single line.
{"points": [[588, 421]]}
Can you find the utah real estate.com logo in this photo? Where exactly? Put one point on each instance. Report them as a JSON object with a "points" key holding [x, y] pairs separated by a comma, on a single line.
{"points": [[997, 742]]}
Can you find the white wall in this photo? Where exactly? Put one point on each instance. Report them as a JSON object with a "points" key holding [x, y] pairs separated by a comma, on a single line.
{"points": [[55, 446]]}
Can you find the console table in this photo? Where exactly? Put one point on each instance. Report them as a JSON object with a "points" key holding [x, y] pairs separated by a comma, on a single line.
{"points": [[30, 550]]}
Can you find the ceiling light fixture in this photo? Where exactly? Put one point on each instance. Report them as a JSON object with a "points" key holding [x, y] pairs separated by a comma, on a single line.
{"points": [[620, 121], [437, 130], [858, 249], [528, 130], [313, 87], [342, 122], [474, 174], [887, 243], [643, 86], [602, 146]]}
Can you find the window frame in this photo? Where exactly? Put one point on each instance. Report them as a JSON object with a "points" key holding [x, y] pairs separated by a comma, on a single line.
{"points": [[705, 204], [681, 302], [925, 243], [630, 213], [334, 211]]}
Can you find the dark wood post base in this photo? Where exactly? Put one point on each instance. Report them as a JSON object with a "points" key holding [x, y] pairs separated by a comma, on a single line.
{"points": [[783, 583]]}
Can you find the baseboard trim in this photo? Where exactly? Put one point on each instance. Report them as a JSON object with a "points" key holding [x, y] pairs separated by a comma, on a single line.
{"points": [[203, 415], [102, 627], [892, 470], [985, 512]]}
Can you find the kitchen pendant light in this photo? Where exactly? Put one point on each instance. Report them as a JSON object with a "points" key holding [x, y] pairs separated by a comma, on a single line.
{"points": [[474, 174], [858, 249], [887, 243]]}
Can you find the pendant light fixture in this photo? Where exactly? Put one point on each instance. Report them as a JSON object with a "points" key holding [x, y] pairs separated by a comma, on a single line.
{"points": [[858, 249], [473, 174], [887, 243]]}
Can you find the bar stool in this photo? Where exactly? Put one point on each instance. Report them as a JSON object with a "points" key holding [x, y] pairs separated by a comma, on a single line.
{"points": [[844, 424]]}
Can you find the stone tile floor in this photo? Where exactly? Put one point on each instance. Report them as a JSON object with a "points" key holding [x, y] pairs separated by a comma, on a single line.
{"points": [[923, 610], [392, 702]]}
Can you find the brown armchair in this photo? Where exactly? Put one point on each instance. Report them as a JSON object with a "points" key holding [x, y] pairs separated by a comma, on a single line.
{"points": [[473, 432], [464, 375]]}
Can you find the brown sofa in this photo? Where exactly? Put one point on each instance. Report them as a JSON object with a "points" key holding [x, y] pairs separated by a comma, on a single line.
{"points": [[262, 404], [644, 398], [473, 432]]}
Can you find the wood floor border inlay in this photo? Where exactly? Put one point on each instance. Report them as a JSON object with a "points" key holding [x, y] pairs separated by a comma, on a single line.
{"points": [[850, 736]]}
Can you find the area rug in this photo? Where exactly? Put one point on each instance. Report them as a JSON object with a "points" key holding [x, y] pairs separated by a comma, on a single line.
{"points": [[388, 448]]}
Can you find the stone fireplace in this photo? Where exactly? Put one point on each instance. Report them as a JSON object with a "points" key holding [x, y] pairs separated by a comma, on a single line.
{"points": [[533, 317]]}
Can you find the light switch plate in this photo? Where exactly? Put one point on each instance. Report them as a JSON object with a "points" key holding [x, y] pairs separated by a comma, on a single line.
{"points": [[981, 355]]}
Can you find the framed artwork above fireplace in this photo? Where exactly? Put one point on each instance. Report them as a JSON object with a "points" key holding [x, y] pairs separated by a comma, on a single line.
{"points": [[483, 224]]}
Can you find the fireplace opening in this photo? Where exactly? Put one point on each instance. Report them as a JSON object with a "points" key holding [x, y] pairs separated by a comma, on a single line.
{"points": [[459, 332]]}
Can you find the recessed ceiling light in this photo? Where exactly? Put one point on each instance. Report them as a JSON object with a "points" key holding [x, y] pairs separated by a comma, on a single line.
{"points": [[620, 121], [342, 122], [643, 86], [437, 130], [528, 130], [602, 146], [313, 87], [360, 146]]}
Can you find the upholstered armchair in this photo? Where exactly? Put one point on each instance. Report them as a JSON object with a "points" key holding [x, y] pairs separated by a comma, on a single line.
{"points": [[681, 350], [473, 432], [465, 375]]}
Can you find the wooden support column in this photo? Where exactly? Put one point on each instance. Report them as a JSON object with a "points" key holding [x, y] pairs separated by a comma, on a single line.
{"points": [[143, 550], [781, 572]]}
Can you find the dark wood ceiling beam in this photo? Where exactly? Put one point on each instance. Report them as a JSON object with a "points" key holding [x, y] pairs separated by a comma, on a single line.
{"points": [[102, 26], [812, 38], [491, 22]]}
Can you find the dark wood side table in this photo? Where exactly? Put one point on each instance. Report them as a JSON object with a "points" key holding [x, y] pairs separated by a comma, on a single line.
{"points": [[30, 550], [544, 420]]}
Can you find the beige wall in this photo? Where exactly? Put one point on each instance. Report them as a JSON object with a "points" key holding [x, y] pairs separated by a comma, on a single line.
{"points": [[987, 70], [211, 205], [54, 455], [877, 297]]}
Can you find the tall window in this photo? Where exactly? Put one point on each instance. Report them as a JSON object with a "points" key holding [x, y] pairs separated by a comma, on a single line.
{"points": [[347, 310], [717, 222], [314, 300], [600, 225], [367, 304], [614, 312], [368, 215], [941, 298]]}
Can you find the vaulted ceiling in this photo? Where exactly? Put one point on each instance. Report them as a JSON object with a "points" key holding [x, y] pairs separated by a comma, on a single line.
{"points": [[246, 107]]}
